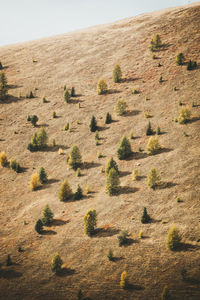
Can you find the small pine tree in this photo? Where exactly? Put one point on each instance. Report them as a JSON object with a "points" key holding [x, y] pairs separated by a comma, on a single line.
{"points": [[153, 178], [47, 216], [165, 294], [124, 149], [180, 59], [102, 87], [108, 119], [158, 132], [145, 217], [79, 193], [117, 73], [1, 66], [120, 107], [31, 95], [56, 263], [14, 165], [123, 238], [153, 145], [65, 192], [123, 280], [75, 159], [184, 115], [191, 65], [34, 182], [73, 92], [111, 164], [34, 120], [90, 220], [93, 124], [110, 255], [3, 86], [39, 226], [3, 159], [173, 238], [3, 79], [42, 138], [67, 96], [8, 261], [112, 182], [155, 43], [54, 115], [42, 175], [66, 127]]}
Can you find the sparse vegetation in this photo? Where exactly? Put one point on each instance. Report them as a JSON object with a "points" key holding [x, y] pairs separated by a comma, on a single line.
{"points": [[93, 124], [153, 145], [39, 226], [191, 65], [102, 87], [108, 119], [47, 216], [123, 280], [180, 58], [39, 140], [153, 178], [56, 263], [173, 238], [14, 165], [123, 238], [3, 86], [145, 217], [34, 182], [90, 221], [79, 193], [3, 159], [75, 158], [120, 107], [124, 149], [111, 164], [156, 43], [42, 175], [149, 130], [110, 255], [67, 96], [65, 192], [135, 175], [33, 119], [73, 94], [117, 73], [112, 182], [184, 115]]}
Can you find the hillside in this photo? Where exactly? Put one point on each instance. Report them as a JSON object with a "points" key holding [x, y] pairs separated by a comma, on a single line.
{"points": [[79, 59]]}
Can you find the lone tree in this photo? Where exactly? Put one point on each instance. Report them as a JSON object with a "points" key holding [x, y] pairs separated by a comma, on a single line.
{"points": [[184, 115], [56, 263], [180, 58], [108, 119], [149, 130], [173, 238], [165, 294], [153, 178], [102, 87], [3, 159], [123, 280], [93, 124], [65, 192], [73, 92], [47, 216], [145, 217], [153, 145], [120, 107], [42, 175], [111, 164], [74, 159], [34, 182], [79, 193], [67, 96], [155, 43], [3, 86], [112, 182], [90, 220], [39, 226], [117, 73], [124, 149]]}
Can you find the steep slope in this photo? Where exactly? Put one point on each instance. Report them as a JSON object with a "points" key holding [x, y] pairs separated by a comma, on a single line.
{"points": [[79, 59]]}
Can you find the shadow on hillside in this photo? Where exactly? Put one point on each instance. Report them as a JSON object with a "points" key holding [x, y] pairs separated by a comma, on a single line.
{"points": [[124, 173], [112, 91], [163, 150], [188, 247], [90, 165], [117, 258], [65, 272], [14, 86], [192, 120], [131, 113], [48, 232], [192, 280], [75, 101], [51, 148], [139, 155], [59, 222], [23, 169], [166, 185], [106, 232], [102, 128], [41, 125], [52, 180], [141, 177], [128, 190], [9, 99], [130, 79], [134, 287], [9, 274], [153, 221]]}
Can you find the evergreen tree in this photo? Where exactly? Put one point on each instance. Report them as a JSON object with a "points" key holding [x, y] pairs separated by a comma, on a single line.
{"points": [[123, 280], [75, 159], [73, 92], [3, 79], [8, 261], [117, 73], [158, 131], [31, 95], [153, 178], [14, 165], [153, 145], [102, 87], [120, 107], [34, 182], [112, 182], [3, 159], [42, 175], [67, 96], [79, 193], [93, 124], [180, 59], [191, 65], [110, 255], [90, 220], [173, 238], [108, 119], [39, 226], [111, 164], [123, 238], [1, 66], [65, 192], [149, 130], [165, 294], [34, 120], [124, 149], [184, 115], [155, 43], [3, 86], [56, 263], [42, 138], [145, 217], [47, 216]]}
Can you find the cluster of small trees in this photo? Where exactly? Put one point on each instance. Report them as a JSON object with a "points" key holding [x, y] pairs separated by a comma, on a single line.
{"points": [[39, 140], [33, 119], [13, 164], [37, 179], [45, 220], [66, 194]]}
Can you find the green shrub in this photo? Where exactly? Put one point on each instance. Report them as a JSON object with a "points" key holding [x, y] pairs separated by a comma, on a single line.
{"points": [[47, 216], [39, 140], [108, 119], [54, 114], [93, 124], [80, 295], [90, 220], [3, 86], [66, 127], [145, 217], [153, 145], [111, 164], [1, 66], [160, 79], [102, 87], [33, 119], [117, 73], [42, 175], [75, 159], [30, 96], [180, 58], [120, 107], [67, 96], [110, 255], [173, 238], [14, 165], [158, 132], [153, 178], [56, 263], [124, 149], [123, 238], [149, 130], [39, 226], [79, 193], [184, 115], [44, 100], [141, 235], [135, 175], [65, 192], [156, 43], [78, 172], [3, 79], [191, 65], [112, 182]]}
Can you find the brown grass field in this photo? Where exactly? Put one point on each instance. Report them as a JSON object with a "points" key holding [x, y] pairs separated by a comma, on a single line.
{"points": [[79, 59]]}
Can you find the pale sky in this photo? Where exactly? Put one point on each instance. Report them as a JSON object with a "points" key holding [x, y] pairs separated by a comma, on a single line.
{"points": [[24, 20]]}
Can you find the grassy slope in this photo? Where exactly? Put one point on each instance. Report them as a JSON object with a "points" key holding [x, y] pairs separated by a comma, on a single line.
{"points": [[79, 59]]}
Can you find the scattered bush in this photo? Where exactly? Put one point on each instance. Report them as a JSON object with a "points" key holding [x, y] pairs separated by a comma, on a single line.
{"points": [[47, 216], [3, 86], [165, 294], [14, 165], [191, 65], [102, 87], [184, 115], [42, 175], [39, 226], [39, 140], [75, 159], [135, 175], [180, 103], [56, 263], [124, 149], [147, 114], [123, 238], [123, 280], [149, 130], [3, 159], [120, 107], [3, 79], [99, 155], [66, 127], [173, 238], [65, 192], [34, 182], [145, 217], [134, 91], [67, 96], [90, 220], [87, 189], [30, 95], [44, 100], [79, 193], [93, 124], [73, 92], [158, 132], [110, 255], [117, 73], [108, 119], [78, 172], [155, 43], [1, 66], [180, 58], [153, 145], [111, 164], [160, 79], [112, 182], [141, 235], [131, 135], [54, 114], [153, 178]]}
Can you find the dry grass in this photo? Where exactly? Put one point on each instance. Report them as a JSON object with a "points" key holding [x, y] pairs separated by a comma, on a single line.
{"points": [[79, 59]]}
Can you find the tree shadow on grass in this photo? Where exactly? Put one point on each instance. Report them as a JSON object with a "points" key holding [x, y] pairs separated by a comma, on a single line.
{"points": [[59, 222], [139, 155], [9, 274], [52, 180], [129, 79], [65, 272], [124, 173], [102, 128], [48, 232], [50, 148], [75, 101], [41, 125], [131, 287], [165, 185], [90, 165], [187, 247], [128, 190], [192, 120], [131, 113], [106, 232], [9, 99], [14, 86], [113, 91]]}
